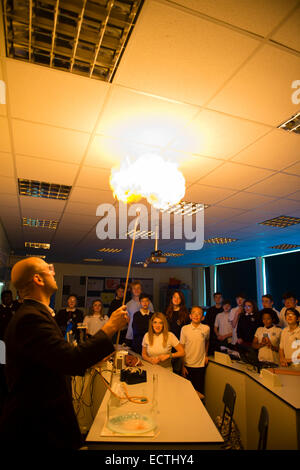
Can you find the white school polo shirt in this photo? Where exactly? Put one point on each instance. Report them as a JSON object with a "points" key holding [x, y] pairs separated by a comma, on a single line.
{"points": [[288, 337], [274, 334], [193, 339], [223, 323], [158, 348], [234, 330]]}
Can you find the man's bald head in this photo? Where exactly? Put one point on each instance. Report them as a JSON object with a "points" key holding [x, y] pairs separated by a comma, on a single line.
{"points": [[23, 271]]}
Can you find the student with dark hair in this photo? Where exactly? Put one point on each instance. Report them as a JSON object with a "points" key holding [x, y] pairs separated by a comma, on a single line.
{"points": [[223, 327], [210, 318], [290, 301], [267, 337], [248, 323], [268, 302], [117, 302], [235, 314], [177, 315], [70, 314], [140, 323], [290, 339], [133, 306]]}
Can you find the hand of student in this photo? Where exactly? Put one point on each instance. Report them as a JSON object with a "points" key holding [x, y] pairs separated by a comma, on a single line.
{"points": [[163, 357], [154, 360], [206, 360], [284, 362], [184, 371]]}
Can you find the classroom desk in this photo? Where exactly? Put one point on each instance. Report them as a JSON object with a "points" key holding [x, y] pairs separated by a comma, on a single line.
{"points": [[282, 403], [182, 420]]}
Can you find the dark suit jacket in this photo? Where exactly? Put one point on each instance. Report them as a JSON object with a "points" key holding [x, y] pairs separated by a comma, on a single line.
{"points": [[39, 410]]}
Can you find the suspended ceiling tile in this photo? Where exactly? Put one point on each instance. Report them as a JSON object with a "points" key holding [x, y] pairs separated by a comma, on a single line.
{"points": [[37, 235], [107, 152], [294, 169], [48, 171], [255, 16], [194, 167], [41, 205], [284, 206], [276, 150], [261, 90], [278, 185], [82, 208], [145, 119], [4, 133], [206, 194], [288, 33], [70, 220], [217, 213], [244, 200], [48, 142], [90, 177], [41, 214], [53, 97], [8, 201], [233, 176], [91, 196], [6, 165], [180, 49], [8, 185], [218, 135], [294, 196]]}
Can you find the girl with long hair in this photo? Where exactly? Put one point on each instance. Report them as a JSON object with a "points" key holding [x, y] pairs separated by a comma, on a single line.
{"points": [[96, 318], [159, 341], [248, 323]]}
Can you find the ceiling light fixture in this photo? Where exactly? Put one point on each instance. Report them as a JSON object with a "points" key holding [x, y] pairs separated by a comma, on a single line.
{"points": [[292, 124], [282, 221], [44, 246], [110, 250], [284, 246], [41, 189], [39, 223], [220, 240]]}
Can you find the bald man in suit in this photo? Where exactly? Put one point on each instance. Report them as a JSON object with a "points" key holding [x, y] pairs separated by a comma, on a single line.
{"points": [[39, 412]]}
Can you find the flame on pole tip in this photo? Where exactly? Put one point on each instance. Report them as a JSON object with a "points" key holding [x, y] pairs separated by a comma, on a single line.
{"points": [[149, 176]]}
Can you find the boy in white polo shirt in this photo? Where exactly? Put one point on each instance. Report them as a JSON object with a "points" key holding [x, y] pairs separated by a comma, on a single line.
{"points": [[194, 339], [290, 338], [290, 301], [223, 327]]}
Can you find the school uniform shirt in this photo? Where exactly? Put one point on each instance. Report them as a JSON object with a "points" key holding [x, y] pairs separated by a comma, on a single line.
{"points": [[94, 323], [223, 324], [132, 307], [247, 326], [234, 330], [193, 338], [65, 315], [274, 334], [282, 320], [140, 325], [287, 339], [157, 348]]}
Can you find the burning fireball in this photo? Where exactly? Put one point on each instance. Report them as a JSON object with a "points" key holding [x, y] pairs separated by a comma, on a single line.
{"points": [[149, 176]]}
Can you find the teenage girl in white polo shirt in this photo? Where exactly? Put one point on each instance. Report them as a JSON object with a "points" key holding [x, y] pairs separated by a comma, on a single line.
{"points": [[158, 342], [290, 339], [267, 338]]}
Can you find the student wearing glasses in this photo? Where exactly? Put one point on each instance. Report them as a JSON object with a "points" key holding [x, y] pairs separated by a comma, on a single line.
{"points": [[290, 339]]}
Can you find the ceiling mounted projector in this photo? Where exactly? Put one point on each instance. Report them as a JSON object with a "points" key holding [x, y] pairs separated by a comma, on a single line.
{"points": [[156, 257]]}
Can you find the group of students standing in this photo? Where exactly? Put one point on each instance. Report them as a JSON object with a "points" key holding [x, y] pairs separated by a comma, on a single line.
{"points": [[276, 335]]}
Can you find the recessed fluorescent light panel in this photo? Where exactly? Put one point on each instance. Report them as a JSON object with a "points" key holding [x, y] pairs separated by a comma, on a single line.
{"points": [[44, 246], [292, 124], [110, 250], [141, 233], [93, 260], [284, 246], [41, 189], [281, 222], [220, 240], [185, 208], [174, 255], [226, 258], [82, 37], [38, 223], [36, 256]]}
